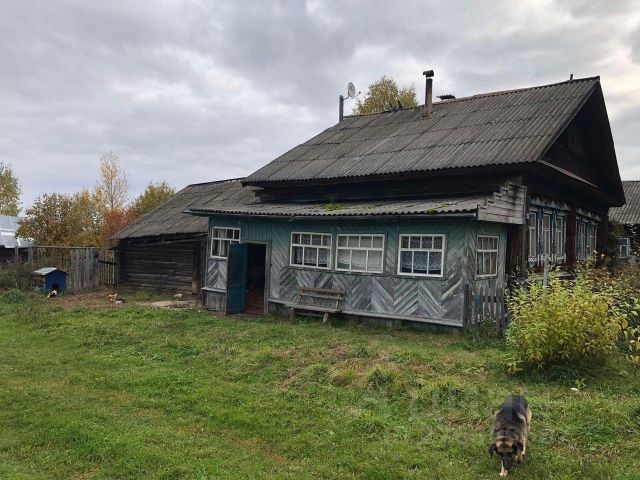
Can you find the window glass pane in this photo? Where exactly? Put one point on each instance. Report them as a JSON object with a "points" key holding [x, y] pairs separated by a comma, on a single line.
{"points": [[404, 242], [365, 242], [437, 242], [295, 238], [358, 260], [435, 260], [297, 256], [316, 240], [343, 258], [405, 262], [414, 242], [479, 263], [420, 262], [310, 256], [494, 243], [427, 242], [493, 265], [305, 239], [378, 242], [236, 234], [326, 240], [224, 248], [374, 263], [323, 257], [486, 268], [342, 241], [353, 241]]}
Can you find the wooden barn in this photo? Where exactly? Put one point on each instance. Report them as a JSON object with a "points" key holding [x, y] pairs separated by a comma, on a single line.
{"points": [[165, 248], [400, 214], [629, 217], [10, 244]]}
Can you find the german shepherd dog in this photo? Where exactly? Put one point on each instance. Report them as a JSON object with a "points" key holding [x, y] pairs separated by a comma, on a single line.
{"points": [[510, 432]]}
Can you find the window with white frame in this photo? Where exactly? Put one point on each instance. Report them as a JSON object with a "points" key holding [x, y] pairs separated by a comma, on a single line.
{"points": [[487, 256], [560, 237], [421, 255], [624, 245], [546, 234], [221, 238], [533, 240], [310, 249], [360, 253]]}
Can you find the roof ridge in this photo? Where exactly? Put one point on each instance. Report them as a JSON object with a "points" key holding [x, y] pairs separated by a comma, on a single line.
{"points": [[214, 182], [480, 95]]}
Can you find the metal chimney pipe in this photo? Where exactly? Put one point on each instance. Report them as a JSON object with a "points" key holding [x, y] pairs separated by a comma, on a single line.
{"points": [[428, 92], [340, 108]]}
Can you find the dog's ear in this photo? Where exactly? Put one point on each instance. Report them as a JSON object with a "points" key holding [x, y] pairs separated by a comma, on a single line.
{"points": [[519, 447], [492, 449]]}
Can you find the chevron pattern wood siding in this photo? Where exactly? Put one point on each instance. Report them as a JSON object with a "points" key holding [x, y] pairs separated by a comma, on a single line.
{"points": [[413, 297]]}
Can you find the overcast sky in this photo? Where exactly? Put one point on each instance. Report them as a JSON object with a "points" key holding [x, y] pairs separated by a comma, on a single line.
{"points": [[193, 91]]}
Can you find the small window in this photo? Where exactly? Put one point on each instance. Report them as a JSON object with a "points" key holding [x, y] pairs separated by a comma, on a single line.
{"points": [[624, 245], [546, 234], [533, 241], [560, 237], [221, 238], [487, 256], [310, 249], [421, 255], [360, 253]]}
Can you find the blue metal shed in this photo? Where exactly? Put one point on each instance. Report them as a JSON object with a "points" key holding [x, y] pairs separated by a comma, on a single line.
{"points": [[50, 278]]}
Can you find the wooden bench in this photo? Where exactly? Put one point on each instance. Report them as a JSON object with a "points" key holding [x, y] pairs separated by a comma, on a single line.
{"points": [[321, 300]]}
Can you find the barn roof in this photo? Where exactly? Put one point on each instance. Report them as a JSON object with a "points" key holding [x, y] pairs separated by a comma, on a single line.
{"points": [[8, 239], [628, 214], [169, 218], [516, 126]]}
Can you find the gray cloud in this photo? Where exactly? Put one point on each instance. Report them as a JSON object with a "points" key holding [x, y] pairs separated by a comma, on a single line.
{"points": [[191, 91]]}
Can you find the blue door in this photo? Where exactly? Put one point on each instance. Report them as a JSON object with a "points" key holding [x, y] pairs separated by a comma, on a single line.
{"points": [[237, 266]]}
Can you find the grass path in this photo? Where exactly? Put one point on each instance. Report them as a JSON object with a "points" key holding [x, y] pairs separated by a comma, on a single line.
{"points": [[146, 393]]}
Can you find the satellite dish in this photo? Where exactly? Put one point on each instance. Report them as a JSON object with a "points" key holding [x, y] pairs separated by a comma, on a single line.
{"points": [[351, 90]]}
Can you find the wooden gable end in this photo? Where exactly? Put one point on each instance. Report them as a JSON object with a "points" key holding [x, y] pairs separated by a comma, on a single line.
{"points": [[584, 149]]}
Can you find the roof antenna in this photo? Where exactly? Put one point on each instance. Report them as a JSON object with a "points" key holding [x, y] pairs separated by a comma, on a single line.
{"points": [[351, 93], [571, 77]]}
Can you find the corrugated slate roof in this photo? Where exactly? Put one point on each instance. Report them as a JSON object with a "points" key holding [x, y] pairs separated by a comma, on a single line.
{"points": [[347, 209], [169, 217], [8, 227], [628, 214], [515, 126], [241, 200]]}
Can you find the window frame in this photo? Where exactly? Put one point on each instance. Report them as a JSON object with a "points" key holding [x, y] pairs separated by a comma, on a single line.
{"points": [[424, 275], [316, 267], [560, 243], [484, 251], [532, 229], [214, 240], [627, 241], [366, 249]]}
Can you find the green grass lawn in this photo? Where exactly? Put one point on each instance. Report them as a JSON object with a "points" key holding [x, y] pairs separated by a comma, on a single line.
{"points": [[145, 393]]}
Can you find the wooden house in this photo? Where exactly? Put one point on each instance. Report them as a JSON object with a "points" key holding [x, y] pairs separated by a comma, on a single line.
{"points": [[629, 217], [166, 248], [404, 211], [10, 244]]}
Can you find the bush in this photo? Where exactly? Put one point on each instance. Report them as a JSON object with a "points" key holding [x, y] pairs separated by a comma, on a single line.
{"points": [[13, 296], [577, 322]]}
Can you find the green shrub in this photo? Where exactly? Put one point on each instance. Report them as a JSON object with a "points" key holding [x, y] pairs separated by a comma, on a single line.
{"points": [[13, 296], [578, 321]]}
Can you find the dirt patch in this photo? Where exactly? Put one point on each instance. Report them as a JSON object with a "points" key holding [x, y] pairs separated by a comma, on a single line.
{"points": [[173, 304]]}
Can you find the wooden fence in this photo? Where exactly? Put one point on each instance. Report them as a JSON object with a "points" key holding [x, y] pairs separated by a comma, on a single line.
{"points": [[88, 267], [485, 303]]}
